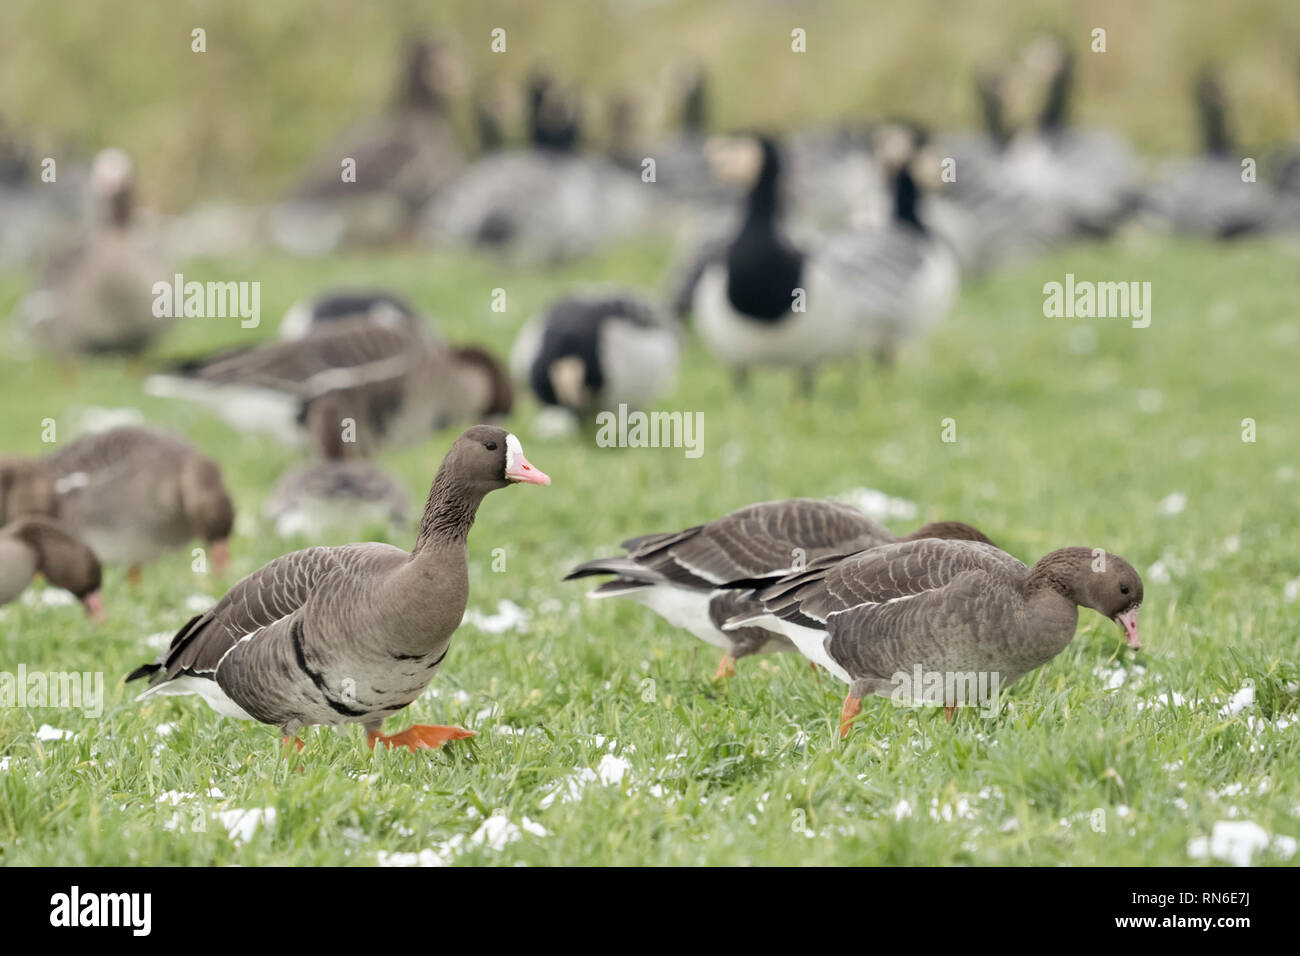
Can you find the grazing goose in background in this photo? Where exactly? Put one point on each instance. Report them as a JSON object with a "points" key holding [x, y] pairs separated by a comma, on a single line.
{"points": [[382, 308], [402, 160], [547, 203], [595, 352], [397, 387], [133, 494], [699, 578], [96, 294], [34, 546], [337, 491], [942, 608], [349, 634], [26, 488], [1206, 196]]}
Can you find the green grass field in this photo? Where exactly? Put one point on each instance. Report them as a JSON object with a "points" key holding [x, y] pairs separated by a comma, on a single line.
{"points": [[1068, 433]]}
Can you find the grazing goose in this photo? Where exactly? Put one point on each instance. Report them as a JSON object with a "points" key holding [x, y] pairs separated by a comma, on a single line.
{"points": [[402, 160], [595, 352], [349, 634], [699, 578], [1206, 196], [34, 546], [382, 308], [548, 203], [397, 387], [96, 294], [337, 491], [942, 608], [133, 493]]}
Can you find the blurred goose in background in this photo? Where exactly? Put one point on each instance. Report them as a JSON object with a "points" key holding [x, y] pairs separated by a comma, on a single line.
{"points": [[132, 494], [1089, 175], [349, 634], [339, 490], [26, 488], [547, 203], [402, 160], [941, 607], [768, 302], [1205, 196], [597, 351], [95, 293], [33, 546], [397, 387], [699, 578], [387, 309]]}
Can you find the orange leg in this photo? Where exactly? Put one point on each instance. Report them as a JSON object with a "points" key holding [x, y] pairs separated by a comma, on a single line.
{"points": [[726, 667], [134, 576], [419, 737], [950, 712], [287, 740], [852, 707]]}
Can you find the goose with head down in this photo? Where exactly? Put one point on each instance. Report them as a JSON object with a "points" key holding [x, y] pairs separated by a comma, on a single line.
{"points": [[945, 608], [349, 634], [34, 546], [699, 578]]}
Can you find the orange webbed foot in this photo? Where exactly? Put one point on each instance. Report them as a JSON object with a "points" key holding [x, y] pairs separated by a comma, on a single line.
{"points": [[949, 713], [420, 737], [726, 667], [288, 740]]}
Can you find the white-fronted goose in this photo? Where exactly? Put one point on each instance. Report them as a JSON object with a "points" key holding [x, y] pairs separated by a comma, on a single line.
{"points": [[699, 578], [398, 387], [32, 546], [597, 352], [95, 295], [387, 309], [338, 491], [547, 203], [402, 160], [133, 494], [349, 634], [943, 608]]}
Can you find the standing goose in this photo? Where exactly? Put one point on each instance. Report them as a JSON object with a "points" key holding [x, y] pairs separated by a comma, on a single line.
{"points": [[337, 491], [96, 294], [1206, 196], [596, 352], [943, 608], [397, 387], [547, 203], [133, 494], [34, 546], [699, 578], [382, 308], [401, 161], [350, 634]]}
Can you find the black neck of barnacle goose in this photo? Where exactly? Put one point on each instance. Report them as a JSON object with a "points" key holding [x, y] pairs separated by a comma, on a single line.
{"points": [[1214, 122], [762, 269], [906, 197], [449, 512], [1056, 109]]}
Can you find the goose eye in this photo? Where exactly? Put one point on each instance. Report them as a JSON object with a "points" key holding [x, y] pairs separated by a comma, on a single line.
{"points": [[492, 446], [1123, 589]]}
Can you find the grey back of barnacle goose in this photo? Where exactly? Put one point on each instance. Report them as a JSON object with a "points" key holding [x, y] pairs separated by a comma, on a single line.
{"points": [[95, 293], [545, 203], [402, 159], [597, 351], [382, 308], [397, 387], [1205, 196]]}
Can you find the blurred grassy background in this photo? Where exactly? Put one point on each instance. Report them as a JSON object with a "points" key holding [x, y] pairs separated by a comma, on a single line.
{"points": [[279, 80]]}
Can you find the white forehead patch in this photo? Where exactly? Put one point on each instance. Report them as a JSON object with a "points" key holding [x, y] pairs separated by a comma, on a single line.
{"points": [[514, 451]]}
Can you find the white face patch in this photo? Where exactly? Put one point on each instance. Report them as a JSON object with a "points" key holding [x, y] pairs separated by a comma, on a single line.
{"points": [[514, 451]]}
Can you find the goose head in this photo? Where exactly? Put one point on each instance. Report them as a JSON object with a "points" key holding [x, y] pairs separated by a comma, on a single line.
{"points": [[65, 561], [486, 457], [112, 185]]}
